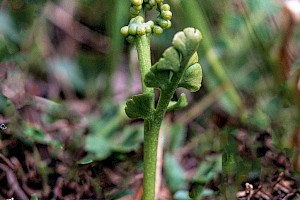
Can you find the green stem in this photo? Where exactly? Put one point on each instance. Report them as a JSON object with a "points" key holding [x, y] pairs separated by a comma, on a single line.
{"points": [[143, 50], [151, 132], [151, 126]]}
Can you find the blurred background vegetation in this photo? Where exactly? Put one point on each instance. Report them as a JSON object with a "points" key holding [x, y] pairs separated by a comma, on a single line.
{"points": [[66, 71]]}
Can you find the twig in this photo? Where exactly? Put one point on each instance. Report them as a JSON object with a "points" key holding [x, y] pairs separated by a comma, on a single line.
{"points": [[139, 193], [77, 31], [291, 17], [7, 161], [13, 183]]}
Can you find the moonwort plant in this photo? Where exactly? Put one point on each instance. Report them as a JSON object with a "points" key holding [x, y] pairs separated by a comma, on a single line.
{"points": [[178, 67]]}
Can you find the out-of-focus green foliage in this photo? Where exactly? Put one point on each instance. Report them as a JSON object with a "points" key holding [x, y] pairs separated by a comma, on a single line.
{"points": [[174, 174], [88, 63]]}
